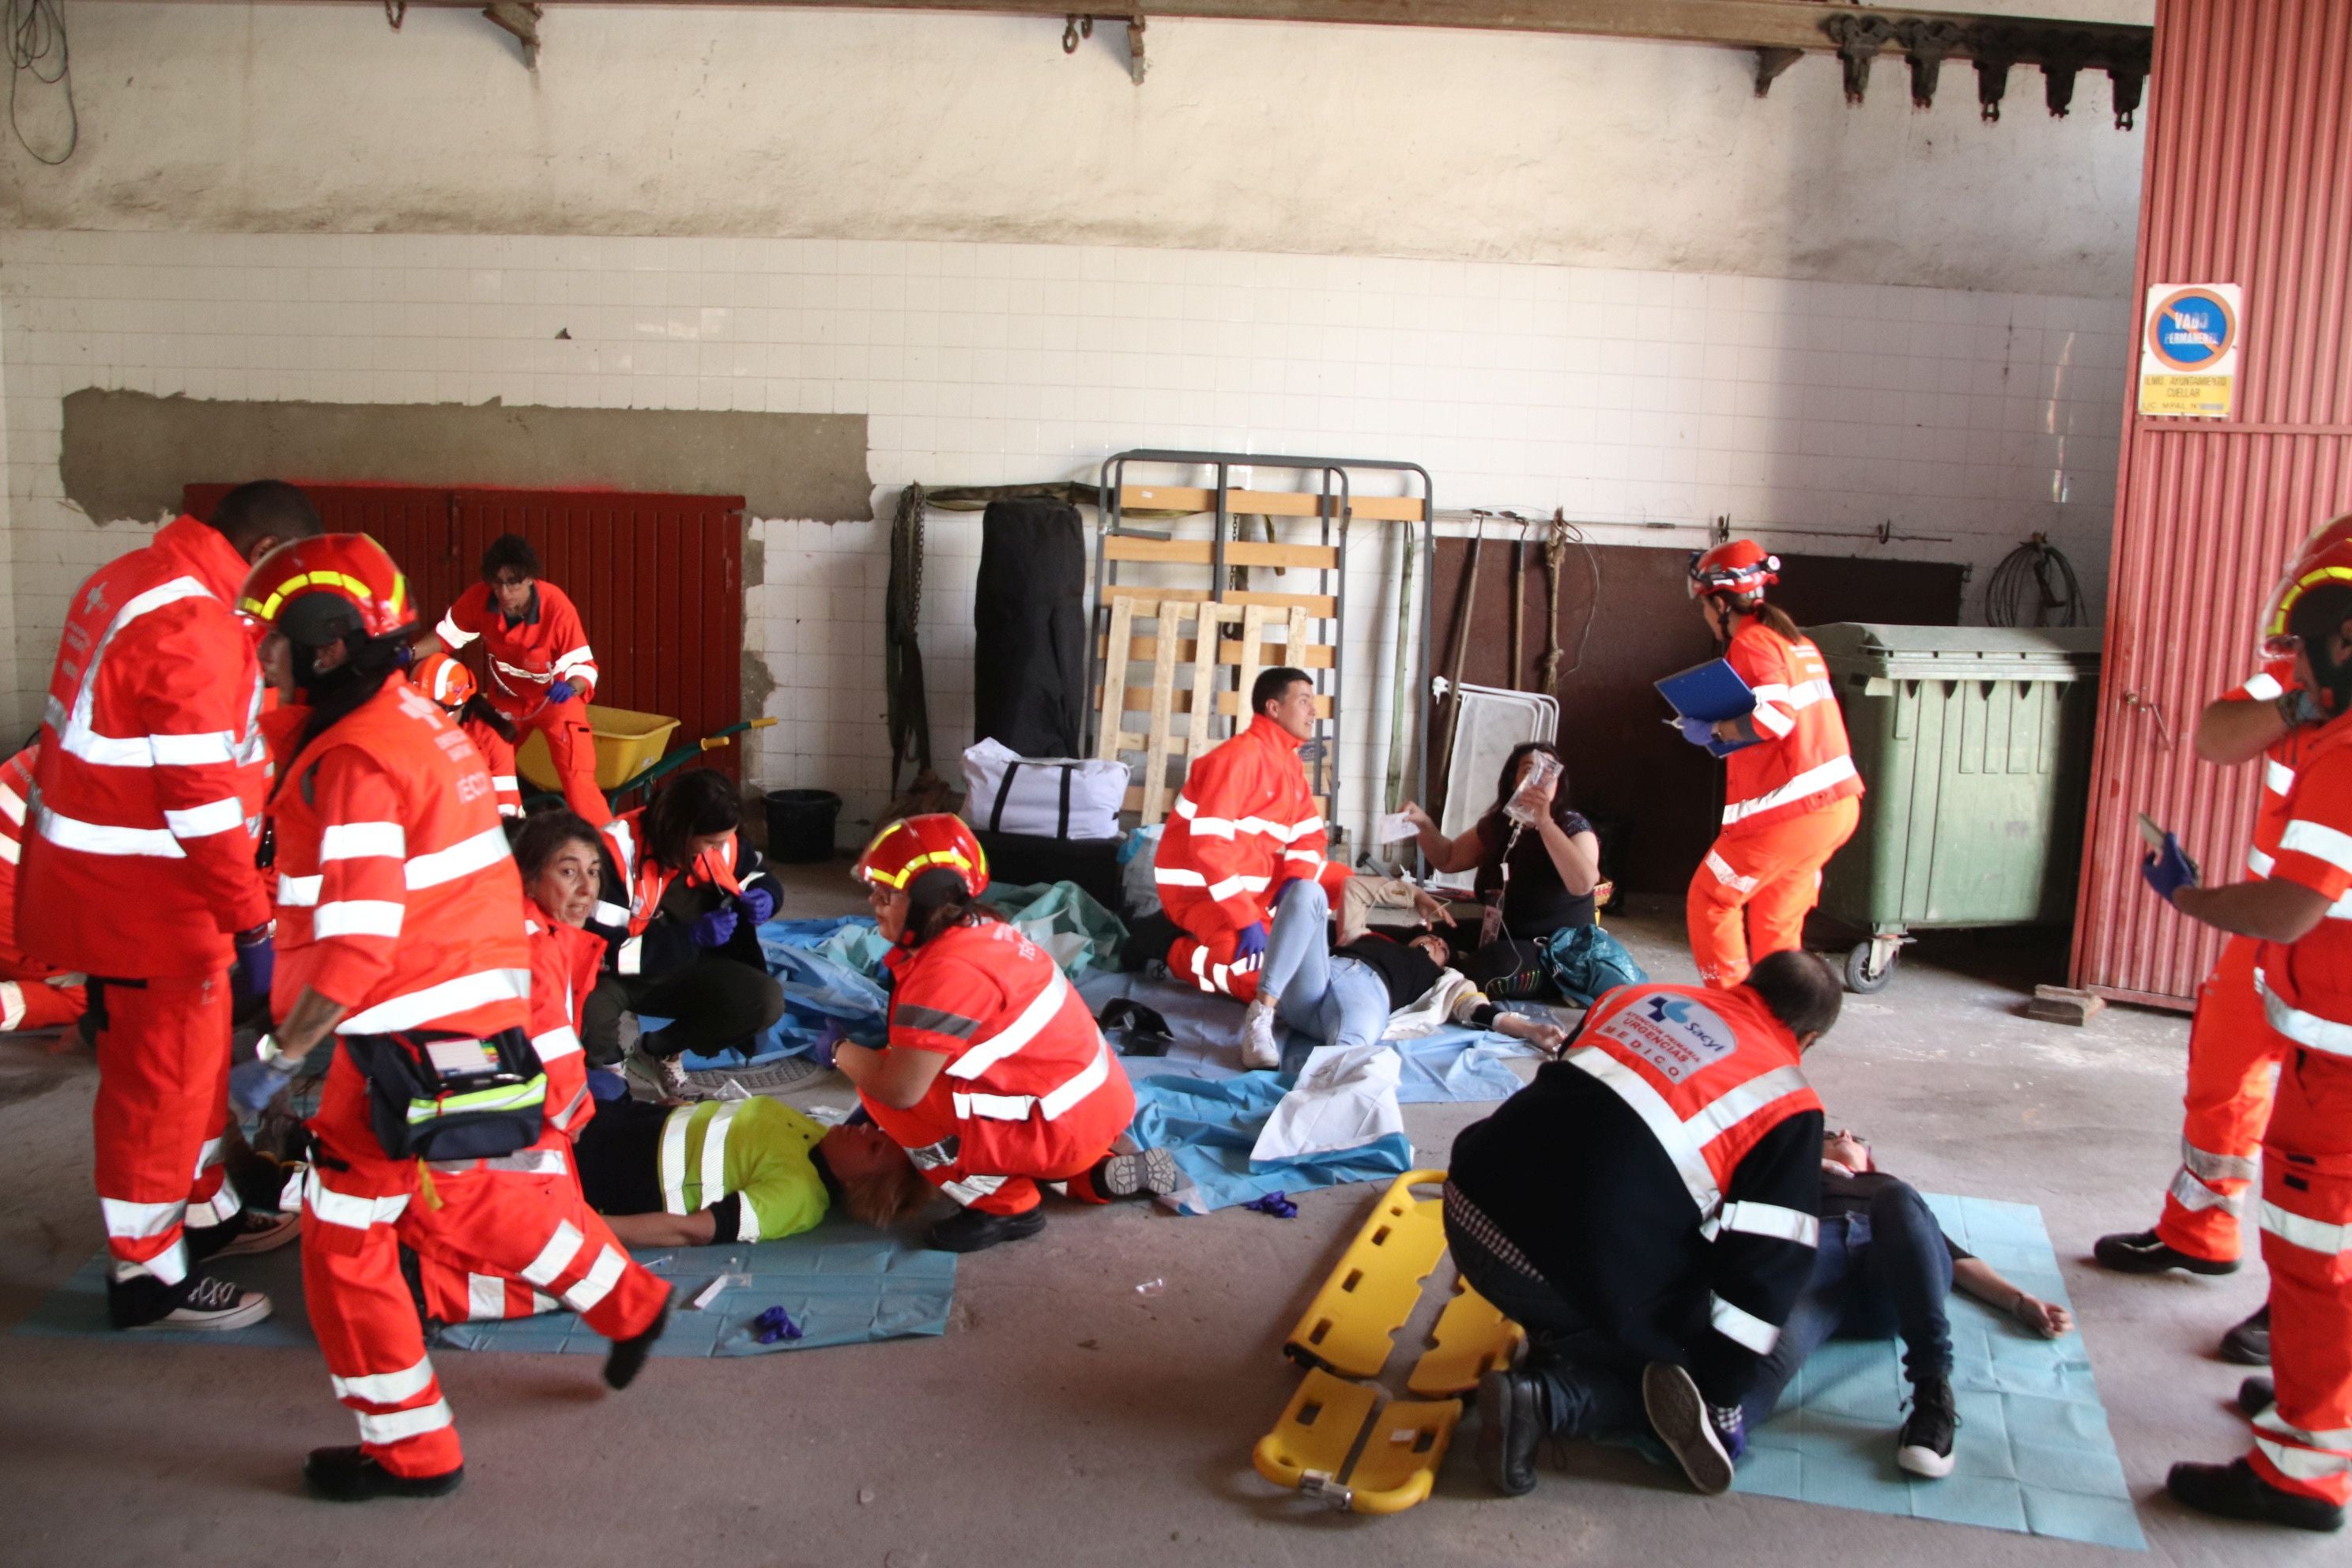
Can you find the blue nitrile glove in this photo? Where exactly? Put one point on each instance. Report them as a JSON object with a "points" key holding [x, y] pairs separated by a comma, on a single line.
{"points": [[560, 692], [253, 1085], [603, 1083], [757, 904], [1730, 1428], [717, 928], [2169, 870], [1250, 941], [257, 961], [405, 656], [1698, 731]]}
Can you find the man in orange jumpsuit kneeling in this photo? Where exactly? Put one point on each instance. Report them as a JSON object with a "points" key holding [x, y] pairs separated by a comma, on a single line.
{"points": [[401, 931]]}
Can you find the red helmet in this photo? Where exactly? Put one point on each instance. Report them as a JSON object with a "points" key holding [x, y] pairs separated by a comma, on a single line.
{"points": [[914, 845], [444, 679], [1734, 569], [335, 585], [2325, 557]]}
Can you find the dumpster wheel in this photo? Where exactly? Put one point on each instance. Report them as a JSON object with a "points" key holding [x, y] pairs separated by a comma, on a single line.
{"points": [[1869, 965]]}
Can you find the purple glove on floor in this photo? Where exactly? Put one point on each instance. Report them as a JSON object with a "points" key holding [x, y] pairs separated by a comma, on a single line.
{"points": [[1250, 941], [2169, 870], [716, 928], [560, 692]]}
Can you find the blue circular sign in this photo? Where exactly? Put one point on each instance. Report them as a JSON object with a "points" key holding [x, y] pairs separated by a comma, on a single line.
{"points": [[2192, 329]]}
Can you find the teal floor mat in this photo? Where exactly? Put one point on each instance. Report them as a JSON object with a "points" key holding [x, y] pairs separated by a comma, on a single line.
{"points": [[842, 1284], [2034, 1453]]}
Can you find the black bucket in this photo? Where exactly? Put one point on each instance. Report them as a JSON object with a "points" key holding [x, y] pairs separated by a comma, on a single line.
{"points": [[799, 825]]}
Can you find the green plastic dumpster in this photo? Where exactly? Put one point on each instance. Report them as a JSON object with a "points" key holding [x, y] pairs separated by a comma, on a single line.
{"points": [[1975, 742]]}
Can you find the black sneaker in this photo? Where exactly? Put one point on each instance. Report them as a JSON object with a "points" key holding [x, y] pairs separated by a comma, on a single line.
{"points": [[975, 1230], [1925, 1448], [2255, 1396], [215, 1304], [251, 1232], [2139, 1252], [1149, 1173], [627, 1357], [348, 1475], [2249, 1344], [2234, 1492], [1510, 1426], [1678, 1414]]}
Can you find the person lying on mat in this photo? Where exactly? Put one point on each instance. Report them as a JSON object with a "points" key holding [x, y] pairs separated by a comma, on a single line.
{"points": [[1883, 1268], [1346, 997], [1532, 882], [994, 1077], [1646, 1210], [686, 896], [648, 1170]]}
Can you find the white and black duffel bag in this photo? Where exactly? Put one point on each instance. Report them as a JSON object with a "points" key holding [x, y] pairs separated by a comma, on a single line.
{"points": [[1046, 798]]}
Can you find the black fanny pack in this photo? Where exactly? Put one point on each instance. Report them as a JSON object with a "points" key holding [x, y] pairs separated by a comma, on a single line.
{"points": [[438, 1096]]}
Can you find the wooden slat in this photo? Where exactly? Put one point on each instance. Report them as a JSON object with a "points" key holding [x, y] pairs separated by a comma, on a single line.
{"points": [[1137, 700], [1253, 645], [1267, 503], [1199, 701], [1313, 656], [1160, 697], [1122, 617], [1322, 607], [1238, 553], [1134, 802], [1390, 509]]}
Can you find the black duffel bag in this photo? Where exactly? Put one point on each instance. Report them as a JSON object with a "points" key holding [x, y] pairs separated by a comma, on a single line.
{"points": [[438, 1096]]}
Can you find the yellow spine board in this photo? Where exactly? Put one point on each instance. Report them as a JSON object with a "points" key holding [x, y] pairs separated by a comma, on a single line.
{"points": [[1351, 1323]]}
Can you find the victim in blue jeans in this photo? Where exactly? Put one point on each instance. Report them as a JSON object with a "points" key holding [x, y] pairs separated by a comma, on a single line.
{"points": [[1332, 998]]}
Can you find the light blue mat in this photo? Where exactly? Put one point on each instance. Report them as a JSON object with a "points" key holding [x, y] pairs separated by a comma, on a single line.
{"points": [[2034, 1453], [1211, 1126], [843, 1284]]}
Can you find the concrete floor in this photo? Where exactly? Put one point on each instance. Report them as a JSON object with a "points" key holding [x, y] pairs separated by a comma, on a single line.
{"points": [[1066, 1418]]}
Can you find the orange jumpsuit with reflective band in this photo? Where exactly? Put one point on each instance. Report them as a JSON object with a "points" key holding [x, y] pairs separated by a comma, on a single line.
{"points": [[1030, 1092], [145, 794], [2232, 1052], [1243, 825], [26, 999], [2304, 1442], [1788, 806], [525, 658], [397, 898]]}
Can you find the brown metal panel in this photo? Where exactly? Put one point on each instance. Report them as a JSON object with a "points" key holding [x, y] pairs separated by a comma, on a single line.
{"points": [[2248, 180]]}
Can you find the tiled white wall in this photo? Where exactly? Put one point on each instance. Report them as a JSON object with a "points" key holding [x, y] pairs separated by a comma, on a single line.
{"points": [[1644, 403]]}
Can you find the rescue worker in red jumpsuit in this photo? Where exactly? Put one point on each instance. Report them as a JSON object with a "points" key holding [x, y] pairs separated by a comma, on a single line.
{"points": [[2299, 1470], [137, 871], [451, 684], [996, 1077], [1790, 797], [1244, 826], [401, 934], [33, 994], [542, 673]]}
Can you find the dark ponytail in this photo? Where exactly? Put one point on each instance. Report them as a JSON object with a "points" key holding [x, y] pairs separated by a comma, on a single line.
{"points": [[1776, 619]]}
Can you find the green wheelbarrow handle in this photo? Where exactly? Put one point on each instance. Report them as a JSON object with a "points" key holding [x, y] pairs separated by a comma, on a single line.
{"points": [[683, 755]]}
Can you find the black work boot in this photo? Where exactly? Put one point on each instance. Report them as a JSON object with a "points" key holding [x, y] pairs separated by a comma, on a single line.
{"points": [[627, 1357], [350, 1474], [2234, 1492], [1512, 1421], [975, 1230], [2140, 1252], [2249, 1343], [2255, 1396]]}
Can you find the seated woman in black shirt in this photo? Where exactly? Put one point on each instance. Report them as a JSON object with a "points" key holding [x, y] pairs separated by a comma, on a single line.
{"points": [[1533, 882]]}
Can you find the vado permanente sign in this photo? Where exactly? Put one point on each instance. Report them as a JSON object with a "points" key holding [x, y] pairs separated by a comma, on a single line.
{"points": [[2189, 349]]}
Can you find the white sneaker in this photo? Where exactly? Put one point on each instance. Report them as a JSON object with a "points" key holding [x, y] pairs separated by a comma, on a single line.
{"points": [[215, 1304], [262, 1233], [665, 1075], [1259, 1048]]}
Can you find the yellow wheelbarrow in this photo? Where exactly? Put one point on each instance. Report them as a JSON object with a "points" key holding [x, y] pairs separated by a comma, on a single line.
{"points": [[629, 752]]}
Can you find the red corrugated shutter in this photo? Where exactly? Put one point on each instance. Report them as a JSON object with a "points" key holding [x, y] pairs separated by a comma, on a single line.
{"points": [[658, 579], [2249, 181]]}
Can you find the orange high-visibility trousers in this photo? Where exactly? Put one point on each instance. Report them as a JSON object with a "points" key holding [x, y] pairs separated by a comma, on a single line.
{"points": [[163, 1100], [2234, 1054], [571, 749], [1214, 966], [2304, 1442], [933, 1143], [1750, 895], [527, 1223]]}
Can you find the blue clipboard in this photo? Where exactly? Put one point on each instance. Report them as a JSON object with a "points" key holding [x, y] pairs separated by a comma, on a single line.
{"points": [[1712, 691]]}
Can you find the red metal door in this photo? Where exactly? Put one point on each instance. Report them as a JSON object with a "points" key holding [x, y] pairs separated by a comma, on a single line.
{"points": [[2249, 181], [658, 579]]}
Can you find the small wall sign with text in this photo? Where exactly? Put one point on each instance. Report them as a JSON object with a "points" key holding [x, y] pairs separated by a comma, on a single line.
{"points": [[2189, 349]]}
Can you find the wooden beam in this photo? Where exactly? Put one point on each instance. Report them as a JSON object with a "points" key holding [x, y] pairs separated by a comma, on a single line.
{"points": [[1747, 24]]}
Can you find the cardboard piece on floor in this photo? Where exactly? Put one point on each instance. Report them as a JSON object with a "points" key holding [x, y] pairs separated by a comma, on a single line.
{"points": [[842, 1282], [2034, 1453]]}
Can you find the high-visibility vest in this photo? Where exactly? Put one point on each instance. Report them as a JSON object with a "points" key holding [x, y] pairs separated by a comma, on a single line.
{"points": [[396, 893], [2307, 985], [1243, 822], [549, 645], [148, 789], [2279, 759], [1802, 763], [646, 882], [15, 791], [564, 962]]}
